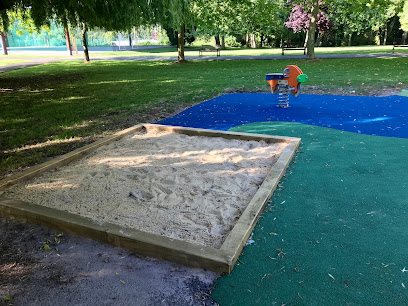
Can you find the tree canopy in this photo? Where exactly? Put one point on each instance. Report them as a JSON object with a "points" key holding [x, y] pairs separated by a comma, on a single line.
{"points": [[111, 15], [253, 22], [404, 16]]}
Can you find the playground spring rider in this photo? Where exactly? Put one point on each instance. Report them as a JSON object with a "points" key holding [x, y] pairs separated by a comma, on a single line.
{"points": [[285, 83]]}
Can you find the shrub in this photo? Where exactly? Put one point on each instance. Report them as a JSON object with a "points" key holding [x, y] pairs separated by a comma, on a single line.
{"points": [[231, 41]]}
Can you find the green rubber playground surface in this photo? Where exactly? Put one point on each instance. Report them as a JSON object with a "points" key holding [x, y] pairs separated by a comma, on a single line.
{"points": [[336, 232]]}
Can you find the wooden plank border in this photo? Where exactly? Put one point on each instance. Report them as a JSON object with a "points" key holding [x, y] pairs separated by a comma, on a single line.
{"points": [[220, 260]]}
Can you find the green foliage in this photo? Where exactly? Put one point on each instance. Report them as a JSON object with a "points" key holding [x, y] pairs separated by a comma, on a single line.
{"points": [[189, 36], [172, 35], [48, 243], [163, 38], [264, 19], [119, 15], [404, 16], [259, 17], [231, 41], [363, 16], [144, 43]]}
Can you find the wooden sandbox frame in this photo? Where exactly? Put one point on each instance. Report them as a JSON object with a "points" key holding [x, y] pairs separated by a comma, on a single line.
{"points": [[220, 260]]}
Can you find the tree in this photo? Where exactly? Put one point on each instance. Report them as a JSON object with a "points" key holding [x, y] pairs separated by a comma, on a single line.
{"points": [[20, 21], [253, 18], [263, 18], [119, 15], [308, 17], [111, 15], [216, 18], [350, 17], [3, 42], [175, 14], [299, 19], [384, 14], [369, 17], [312, 30], [403, 18]]}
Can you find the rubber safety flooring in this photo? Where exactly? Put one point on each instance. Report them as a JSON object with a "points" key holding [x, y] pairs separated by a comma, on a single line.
{"points": [[335, 230]]}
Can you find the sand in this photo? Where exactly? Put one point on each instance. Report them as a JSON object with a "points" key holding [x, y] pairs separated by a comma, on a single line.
{"points": [[190, 188]]}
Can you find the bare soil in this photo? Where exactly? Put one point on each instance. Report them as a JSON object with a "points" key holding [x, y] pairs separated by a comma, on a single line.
{"points": [[79, 271]]}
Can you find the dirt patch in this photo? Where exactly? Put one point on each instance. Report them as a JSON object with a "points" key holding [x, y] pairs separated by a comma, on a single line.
{"points": [[79, 271], [370, 91], [363, 90]]}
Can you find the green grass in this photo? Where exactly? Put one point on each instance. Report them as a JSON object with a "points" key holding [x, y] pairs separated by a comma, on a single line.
{"points": [[193, 51], [5, 62], [50, 109]]}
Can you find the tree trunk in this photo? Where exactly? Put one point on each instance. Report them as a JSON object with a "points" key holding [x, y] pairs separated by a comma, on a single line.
{"points": [[385, 34], [390, 29], [312, 30], [319, 37], [371, 35], [247, 40], [349, 42], [404, 37], [380, 35], [217, 41], [68, 40], [253, 41], [85, 44], [262, 39], [130, 39], [180, 44], [4, 43], [307, 36], [223, 42]]}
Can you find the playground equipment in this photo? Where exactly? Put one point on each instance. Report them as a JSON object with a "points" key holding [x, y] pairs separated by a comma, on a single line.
{"points": [[285, 83]]}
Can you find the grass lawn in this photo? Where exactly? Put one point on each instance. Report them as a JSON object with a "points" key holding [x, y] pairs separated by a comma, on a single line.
{"points": [[193, 51], [5, 62], [50, 109]]}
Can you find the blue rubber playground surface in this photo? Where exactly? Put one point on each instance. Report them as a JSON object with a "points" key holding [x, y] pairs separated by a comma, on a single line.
{"points": [[380, 116], [335, 231]]}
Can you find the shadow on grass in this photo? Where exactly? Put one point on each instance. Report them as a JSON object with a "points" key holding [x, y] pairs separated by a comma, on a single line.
{"points": [[40, 103]]}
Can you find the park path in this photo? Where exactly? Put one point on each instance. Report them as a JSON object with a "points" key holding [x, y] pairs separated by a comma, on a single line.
{"points": [[256, 57], [34, 61], [28, 62]]}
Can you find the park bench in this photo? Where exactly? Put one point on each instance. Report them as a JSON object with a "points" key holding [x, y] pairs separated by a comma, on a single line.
{"points": [[290, 47], [208, 48], [399, 43]]}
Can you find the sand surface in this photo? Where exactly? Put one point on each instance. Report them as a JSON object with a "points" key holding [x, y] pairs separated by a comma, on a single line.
{"points": [[191, 188]]}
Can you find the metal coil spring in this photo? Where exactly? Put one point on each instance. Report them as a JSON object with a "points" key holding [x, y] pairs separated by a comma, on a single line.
{"points": [[283, 96]]}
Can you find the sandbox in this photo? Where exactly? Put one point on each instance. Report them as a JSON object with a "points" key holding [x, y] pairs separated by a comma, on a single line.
{"points": [[187, 195]]}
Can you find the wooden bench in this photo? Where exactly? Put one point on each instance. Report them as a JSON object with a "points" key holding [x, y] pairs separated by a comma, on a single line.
{"points": [[208, 48], [291, 47], [399, 43]]}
